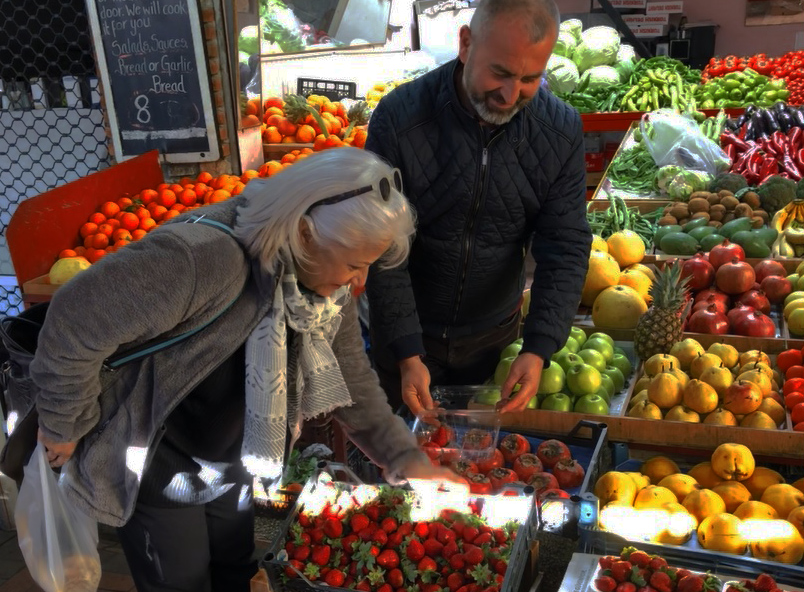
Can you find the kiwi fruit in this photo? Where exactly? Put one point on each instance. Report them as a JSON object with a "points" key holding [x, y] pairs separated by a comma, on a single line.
{"points": [[717, 211], [701, 215], [713, 198], [757, 222], [699, 194], [728, 217], [743, 210], [698, 204], [667, 220], [683, 221], [752, 199], [679, 211], [730, 202], [725, 193], [762, 214], [715, 223]]}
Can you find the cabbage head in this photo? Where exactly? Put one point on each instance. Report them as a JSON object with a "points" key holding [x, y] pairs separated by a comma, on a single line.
{"points": [[565, 44], [561, 74], [572, 26], [248, 41], [626, 52], [626, 62], [600, 77], [598, 47]]}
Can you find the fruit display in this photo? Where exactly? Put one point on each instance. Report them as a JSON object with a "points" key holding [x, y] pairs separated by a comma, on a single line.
{"points": [[717, 386], [727, 504], [710, 218], [368, 538], [584, 376], [789, 363]]}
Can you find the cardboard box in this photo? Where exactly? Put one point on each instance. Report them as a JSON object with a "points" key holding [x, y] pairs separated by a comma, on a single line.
{"points": [[625, 4], [646, 19], [649, 30], [594, 162], [666, 7]]}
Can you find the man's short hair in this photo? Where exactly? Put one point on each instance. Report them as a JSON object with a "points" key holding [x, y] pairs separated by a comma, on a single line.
{"points": [[543, 16]]}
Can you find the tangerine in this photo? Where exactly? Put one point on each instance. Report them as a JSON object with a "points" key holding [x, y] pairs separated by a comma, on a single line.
{"points": [[125, 202], [305, 134], [130, 221], [106, 229], [95, 255], [147, 196], [110, 208], [168, 197], [97, 218], [203, 177], [121, 234], [147, 224], [67, 253], [138, 234], [187, 198], [88, 228]]}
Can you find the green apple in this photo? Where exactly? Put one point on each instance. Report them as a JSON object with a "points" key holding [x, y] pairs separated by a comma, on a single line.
{"points": [[552, 379], [592, 404], [601, 345], [572, 345], [578, 335], [604, 336], [511, 350], [533, 403], [622, 363], [567, 361], [594, 358], [608, 384], [616, 377], [501, 372], [488, 396], [619, 350], [557, 402], [583, 379], [603, 394]]}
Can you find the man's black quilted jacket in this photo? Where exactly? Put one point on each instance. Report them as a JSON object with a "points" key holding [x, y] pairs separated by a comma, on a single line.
{"points": [[480, 196]]}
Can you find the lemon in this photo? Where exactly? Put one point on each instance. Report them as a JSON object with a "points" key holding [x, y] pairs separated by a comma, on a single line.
{"points": [[626, 247], [66, 268], [599, 244]]}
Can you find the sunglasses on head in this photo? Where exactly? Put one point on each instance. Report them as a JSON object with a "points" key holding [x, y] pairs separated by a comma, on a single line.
{"points": [[384, 189]]}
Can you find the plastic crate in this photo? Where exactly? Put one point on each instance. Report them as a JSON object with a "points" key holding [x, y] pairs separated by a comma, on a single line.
{"points": [[334, 90], [274, 561], [473, 435]]}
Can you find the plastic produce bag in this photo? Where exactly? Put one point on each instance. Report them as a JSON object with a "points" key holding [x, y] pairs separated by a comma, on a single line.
{"points": [[58, 542], [675, 138]]}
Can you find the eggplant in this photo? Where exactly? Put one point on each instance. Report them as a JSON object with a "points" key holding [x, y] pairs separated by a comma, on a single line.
{"points": [[752, 128], [798, 117], [769, 119], [740, 120], [785, 121], [779, 107], [750, 110]]}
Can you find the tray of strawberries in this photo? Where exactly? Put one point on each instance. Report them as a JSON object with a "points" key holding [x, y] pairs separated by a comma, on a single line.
{"points": [[555, 467], [345, 535]]}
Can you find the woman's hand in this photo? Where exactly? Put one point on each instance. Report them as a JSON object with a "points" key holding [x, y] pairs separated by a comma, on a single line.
{"points": [[424, 470], [416, 386], [57, 453]]}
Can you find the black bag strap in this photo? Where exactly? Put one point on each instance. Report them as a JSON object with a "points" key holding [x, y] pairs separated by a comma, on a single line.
{"points": [[159, 343]]}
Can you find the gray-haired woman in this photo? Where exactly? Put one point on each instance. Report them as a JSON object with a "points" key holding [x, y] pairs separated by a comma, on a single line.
{"points": [[166, 448]]}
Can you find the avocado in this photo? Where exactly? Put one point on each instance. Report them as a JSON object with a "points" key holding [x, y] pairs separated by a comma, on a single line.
{"points": [[729, 228], [702, 231], [743, 236], [710, 241], [695, 223], [766, 234], [679, 243], [755, 247], [663, 230]]}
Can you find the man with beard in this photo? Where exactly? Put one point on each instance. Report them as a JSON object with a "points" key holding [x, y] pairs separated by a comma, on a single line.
{"points": [[492, 165]]}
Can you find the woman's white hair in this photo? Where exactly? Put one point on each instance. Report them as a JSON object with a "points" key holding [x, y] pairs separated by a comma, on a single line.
{"points": [[269, 223]]}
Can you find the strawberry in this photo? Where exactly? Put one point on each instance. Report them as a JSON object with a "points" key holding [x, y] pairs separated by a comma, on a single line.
{"points": [[656, 563], [500, 536], [450, 549], [389, 525], [661, 581], [388, 559], [606, 561], [395, 540], [690, 583], [379, 537], [385, 588], [431, 588], [415, 550], [432, 548], [333, 528], [457, 562], [359, 522], [681, 572], [422, 529], [373, 512], [427, 564], [470, 534], [395, 578], [446, 535], [334, 578], [764, 583], [347, 543], [311, 572], [317, 536], [455, 581], [301, 554], [621, 570], [605, 584], [472, 555], [483, 539], [625, 587], [639, 559], [646, 589], [321, 554], [501, 566], [292, 573], [441, 436], [363, 586]]}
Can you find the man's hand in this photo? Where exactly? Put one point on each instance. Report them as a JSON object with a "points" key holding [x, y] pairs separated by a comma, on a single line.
{"points": [[57, 454], [416, 386], [526, 370]]}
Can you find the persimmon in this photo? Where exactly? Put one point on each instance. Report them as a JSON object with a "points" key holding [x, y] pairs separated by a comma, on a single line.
{"points": [[67, 253], [271, 135], [219, 195], [333, 141], [248, 175], [288, 140], [306, 150], [286, 127], [274, 111], [87, 228], [359, 138], [109, 209], [97, 218], [252, 107], [319, 143]]}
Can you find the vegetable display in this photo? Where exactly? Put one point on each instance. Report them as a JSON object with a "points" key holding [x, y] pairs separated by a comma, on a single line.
{"points": [[618, 216], [633, 170], [737, 89], [661, 82], [789, 68]]}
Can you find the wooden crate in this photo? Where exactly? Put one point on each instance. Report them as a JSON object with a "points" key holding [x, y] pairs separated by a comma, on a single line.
{"points": [[645, 206], [783, 446], [277, 151]]}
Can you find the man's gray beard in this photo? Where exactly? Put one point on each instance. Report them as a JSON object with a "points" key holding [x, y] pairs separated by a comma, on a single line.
{"points": [[494, 117]]}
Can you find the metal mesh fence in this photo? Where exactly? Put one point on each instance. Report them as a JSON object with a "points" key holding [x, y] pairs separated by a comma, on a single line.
{"points": [[51, 123]]}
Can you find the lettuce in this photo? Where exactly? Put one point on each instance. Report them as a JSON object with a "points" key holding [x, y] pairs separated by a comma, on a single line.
{"points": [[572, 26], [598, 47], [600, 77], [561, 74], [565, 44]]}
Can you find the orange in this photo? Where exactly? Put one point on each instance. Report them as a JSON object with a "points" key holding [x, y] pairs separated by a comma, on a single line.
{"points": [[270, 168], [185, 181], [333, 141], [273, 111], [170, 214], [319, 143], [273, 102], [307, 150], [87, 229], [187, 197], [121, 234], [147, 196], [129, 221], [288, 158], [109, 209], [168, 197], [97, 218], [113, 222], [359, 140], [159, 212], [248, 175], [238, 188], [305, 134], [96, 241], [203, 177], [95, 255], [329, 107], [271, 135], [138, 234], [121, 243], [67, 253], [106, 229], [219, 195], [124, 202], [147, 224], [178, 208], [288, 140], [274, 120], [252, 107], [249, 121], [80, 251]]}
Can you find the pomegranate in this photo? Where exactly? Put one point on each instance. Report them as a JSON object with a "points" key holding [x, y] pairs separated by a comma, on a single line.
{"points": [[713, 291], [734, 277], [757, 299], [719, 303], [708, 320], [737, 313], [700, 272], [725, 252], [756, 324], [776, 288], [768, 268]]}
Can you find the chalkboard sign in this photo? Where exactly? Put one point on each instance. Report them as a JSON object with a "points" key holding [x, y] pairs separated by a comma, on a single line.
{"points": [[155, 82]]}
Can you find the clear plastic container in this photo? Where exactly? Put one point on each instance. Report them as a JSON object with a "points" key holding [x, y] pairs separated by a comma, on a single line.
{"points": [[459, 434]]}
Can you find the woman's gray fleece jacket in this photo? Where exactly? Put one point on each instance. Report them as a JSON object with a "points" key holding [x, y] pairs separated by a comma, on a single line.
{"points": [[175, 279]]}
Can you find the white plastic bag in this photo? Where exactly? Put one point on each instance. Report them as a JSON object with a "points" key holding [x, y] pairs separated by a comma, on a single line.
{"points": [[58, 542], [675, 139]]}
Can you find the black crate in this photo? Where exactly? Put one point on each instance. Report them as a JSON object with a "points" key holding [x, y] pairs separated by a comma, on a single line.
{"points": [[334, 90]]}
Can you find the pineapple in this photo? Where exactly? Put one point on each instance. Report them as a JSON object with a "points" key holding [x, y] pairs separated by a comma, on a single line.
{"points": [[296, 108], [661, 326]]}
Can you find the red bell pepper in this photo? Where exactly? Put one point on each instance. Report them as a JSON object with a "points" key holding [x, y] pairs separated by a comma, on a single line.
{"points": [[790, 167], [800, 158], [769, 167]]}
